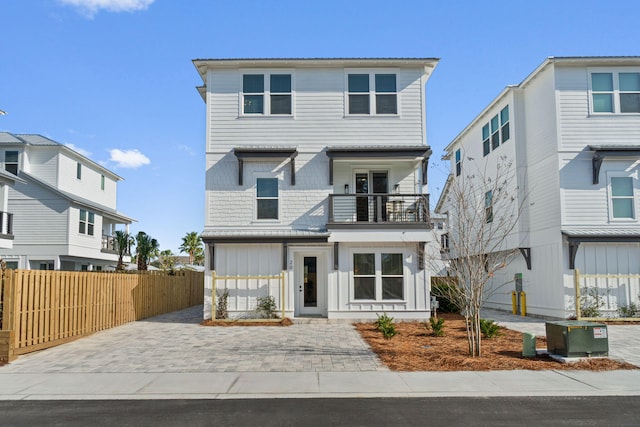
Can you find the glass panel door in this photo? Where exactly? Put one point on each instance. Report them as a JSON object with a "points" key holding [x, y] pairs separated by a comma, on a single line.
{"points": [[310, 288], [380, 186], [362, 203]]}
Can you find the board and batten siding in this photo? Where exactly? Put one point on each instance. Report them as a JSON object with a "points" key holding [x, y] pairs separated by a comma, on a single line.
{"points": [[416, 302], [579, 128], [244, 260], [319, 115]]}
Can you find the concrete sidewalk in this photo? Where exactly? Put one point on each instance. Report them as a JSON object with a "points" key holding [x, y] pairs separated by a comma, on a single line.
{"points": [[171, 356], [111, 386]]}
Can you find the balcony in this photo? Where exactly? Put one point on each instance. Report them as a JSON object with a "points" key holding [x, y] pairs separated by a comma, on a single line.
{"points": [[387, 210], [110, 245], [6, 224]]}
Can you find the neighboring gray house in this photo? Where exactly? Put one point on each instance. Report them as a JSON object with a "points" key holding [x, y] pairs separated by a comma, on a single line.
{"points": [[572, 127], [316, 169], [6, 217], [63, 206]]}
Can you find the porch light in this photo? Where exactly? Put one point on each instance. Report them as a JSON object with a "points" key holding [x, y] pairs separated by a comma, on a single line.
{"points": [[396, 188], [346, 189]]}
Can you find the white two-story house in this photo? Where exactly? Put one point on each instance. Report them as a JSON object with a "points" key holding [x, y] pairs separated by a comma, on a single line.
{"points": [[316, 170], [63, 207], [572, 129]]}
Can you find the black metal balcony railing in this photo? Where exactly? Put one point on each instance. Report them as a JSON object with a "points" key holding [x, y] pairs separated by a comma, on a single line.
{"points": [[6, 223], [379, 208]]}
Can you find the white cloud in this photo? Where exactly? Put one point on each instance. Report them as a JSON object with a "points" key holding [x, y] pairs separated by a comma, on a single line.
{"points": [[92, 7], [128, 158], [186, 149], [78, 150]]}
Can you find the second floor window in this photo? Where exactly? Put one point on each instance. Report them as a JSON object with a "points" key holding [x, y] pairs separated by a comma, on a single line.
{"points": [[79, 171], [86, 224], [488, 206], [384, 94], [266, 94], [622, 198], [267, 198], [458, 162], [11, 162], [615, 92]]}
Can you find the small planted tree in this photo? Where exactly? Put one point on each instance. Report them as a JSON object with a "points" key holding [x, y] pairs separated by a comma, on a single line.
{"points": [[483, 211]]}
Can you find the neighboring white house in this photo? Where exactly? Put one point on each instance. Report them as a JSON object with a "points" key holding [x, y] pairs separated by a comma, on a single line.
{"points": [[6, 217], [572, 128], [63, 206], [316, 169]]}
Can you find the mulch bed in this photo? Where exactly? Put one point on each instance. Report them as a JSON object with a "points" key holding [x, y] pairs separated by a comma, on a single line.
{"points": [[415, 349], [248, 322]]}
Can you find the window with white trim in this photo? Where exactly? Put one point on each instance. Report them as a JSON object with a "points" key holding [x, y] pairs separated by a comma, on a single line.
{"points": [[78, 170], [11, 162], [488, 206], [496, 131], [102, 182], [615, 92], [267, 198], [86, 224], [362, 87], [378, 276], [622, 198], [267, 94], [458, 162]]}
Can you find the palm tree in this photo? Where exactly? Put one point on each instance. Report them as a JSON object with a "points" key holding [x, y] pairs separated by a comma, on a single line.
{"points": [[167, 260], [124, 241], [146, 248], [191, 242]]}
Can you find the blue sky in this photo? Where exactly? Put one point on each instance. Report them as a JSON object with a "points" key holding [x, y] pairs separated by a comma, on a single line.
{"points": [[114, 78]]}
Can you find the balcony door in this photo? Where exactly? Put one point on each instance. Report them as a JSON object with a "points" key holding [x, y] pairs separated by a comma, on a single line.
{"points": [[370, 208]]}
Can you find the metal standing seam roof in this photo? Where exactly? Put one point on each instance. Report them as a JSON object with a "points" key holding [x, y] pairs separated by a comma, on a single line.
{"points": [[39, 140], [622, 231], [263, 234]]}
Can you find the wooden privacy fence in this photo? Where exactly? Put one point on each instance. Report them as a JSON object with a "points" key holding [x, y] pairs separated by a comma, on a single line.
{"points": [[611, 295], [43, 309]]}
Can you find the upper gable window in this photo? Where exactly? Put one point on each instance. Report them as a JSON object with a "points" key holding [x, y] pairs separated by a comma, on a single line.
{"points": [[266, 94], [11, 162], [615, 92], [496, 131], [458, 162], [372, 94], [78, 171]]}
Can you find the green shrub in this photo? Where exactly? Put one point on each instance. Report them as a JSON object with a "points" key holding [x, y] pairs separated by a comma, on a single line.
{"points": [[267, 307], [385, 325], [489, 328], [436, 326], [631, 310], [591, 302], [443, 289]]}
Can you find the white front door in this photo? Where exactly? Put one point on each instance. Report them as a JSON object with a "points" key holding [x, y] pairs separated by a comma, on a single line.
{"points": [[310, 284]]}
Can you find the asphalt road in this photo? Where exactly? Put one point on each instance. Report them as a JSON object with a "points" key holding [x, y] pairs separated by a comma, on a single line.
{"points": [[521, 411]]}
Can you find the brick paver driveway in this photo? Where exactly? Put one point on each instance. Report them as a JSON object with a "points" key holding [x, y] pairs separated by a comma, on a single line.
{"points": [[175, 342]]}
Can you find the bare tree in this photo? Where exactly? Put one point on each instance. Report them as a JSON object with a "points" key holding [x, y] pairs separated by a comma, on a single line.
{"points": [[483, 210]]}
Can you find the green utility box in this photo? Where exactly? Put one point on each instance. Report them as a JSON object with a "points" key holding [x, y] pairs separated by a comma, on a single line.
{"points": [[576, 338]]}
